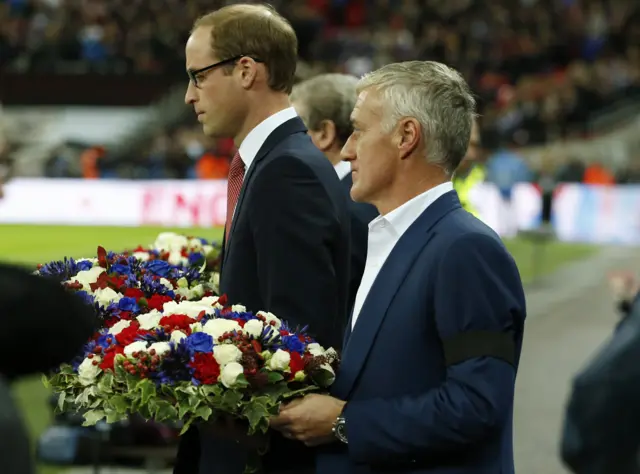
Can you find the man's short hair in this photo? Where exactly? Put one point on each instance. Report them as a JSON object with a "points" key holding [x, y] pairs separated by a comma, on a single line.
{"points": [[328, 97], [257, 31], [437, 96]]}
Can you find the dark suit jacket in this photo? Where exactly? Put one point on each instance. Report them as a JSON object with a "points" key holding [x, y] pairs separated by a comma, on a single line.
{"points": [[361, 214], [601, 433], [288, 253], [429, 370]]}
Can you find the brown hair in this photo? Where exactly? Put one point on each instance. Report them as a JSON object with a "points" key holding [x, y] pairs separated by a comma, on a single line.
{"points": [[257, 31]]}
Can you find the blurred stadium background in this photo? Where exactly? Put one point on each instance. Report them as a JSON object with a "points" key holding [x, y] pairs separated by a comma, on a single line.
{"points": [[97, 147]]}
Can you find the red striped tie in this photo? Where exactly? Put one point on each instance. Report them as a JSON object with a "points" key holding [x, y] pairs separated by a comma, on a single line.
{"points": [[234, 185]]}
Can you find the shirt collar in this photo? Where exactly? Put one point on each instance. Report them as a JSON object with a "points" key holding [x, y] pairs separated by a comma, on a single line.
{"points": [[252, 143], [342, 169], [401, 218]]}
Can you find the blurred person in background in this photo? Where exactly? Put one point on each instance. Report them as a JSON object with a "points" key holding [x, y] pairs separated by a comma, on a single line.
{"points": [[505, 168], [55, 335], [470, 172], [286, 246], [325, 103], [601, 430]]}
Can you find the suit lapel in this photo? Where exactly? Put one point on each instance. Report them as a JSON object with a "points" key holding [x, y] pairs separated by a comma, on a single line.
{"points": [[358, 342], [291, 126]]}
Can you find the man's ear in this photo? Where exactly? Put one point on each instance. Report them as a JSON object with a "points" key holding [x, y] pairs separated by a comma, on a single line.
{"points": [[408, 136], [325, 136], [248, 72]]}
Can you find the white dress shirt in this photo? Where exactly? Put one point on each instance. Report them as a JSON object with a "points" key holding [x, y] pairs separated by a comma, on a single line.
{"points": [[384, 233], [342, 169], [252, 143]]}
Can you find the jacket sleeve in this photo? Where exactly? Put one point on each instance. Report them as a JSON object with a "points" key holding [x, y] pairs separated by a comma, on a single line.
{"points": [[296, 229], [479, 313]]}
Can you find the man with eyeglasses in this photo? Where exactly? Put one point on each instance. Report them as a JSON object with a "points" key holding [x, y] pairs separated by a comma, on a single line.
{"points": [[287, 234]]}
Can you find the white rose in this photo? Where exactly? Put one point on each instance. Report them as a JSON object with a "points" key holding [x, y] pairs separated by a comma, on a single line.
{"points": [[254, 328], [315, 349], [217, 327], [211, 301], [269, 318], [150, 320], [196, 327], [238, 308], [178, 336], [88, 371], [189, 308], [230, 373], [207, 249], [138, 346], [161, 348], [119, 326], [195, 245], [226, 353], [106, 296], [142, 256], [280, 360], [176, 258], [168, 241], [166, 283], [87, 277]]}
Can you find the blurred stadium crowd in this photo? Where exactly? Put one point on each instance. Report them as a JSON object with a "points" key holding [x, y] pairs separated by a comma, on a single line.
{"points": [[543, 70]]}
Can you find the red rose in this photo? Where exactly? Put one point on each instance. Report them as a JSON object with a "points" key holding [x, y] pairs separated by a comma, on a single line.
{"points": [[296, 364], [129, 334], [136, 293], [207, 369], [109, 357], [158, 301], [177, 321]]}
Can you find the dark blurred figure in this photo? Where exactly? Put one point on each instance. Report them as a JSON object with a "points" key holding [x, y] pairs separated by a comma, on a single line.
{"points": [[42, 326], [601, 433]]}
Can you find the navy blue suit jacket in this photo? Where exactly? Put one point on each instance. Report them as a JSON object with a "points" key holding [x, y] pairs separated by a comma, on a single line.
{"points": [[288, 253], [361, 214], [428, 372]]}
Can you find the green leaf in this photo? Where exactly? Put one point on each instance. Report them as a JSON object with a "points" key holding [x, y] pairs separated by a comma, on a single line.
{"points": [[147, 390], [113, 416], [275, 377], [194, 401], [257, 413], [183, 409], [185, 427], [61, 399], [241, 382], [106, 383], [45, 381], [230, 401], [92, 417], [119, 403], [165, 411], [204, 412]]}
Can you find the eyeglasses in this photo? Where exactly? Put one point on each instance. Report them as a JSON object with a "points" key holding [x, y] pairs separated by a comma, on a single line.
{"points": [[194, 73]]}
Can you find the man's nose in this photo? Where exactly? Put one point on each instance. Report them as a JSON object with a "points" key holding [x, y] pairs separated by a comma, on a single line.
{"points": [[348, 151], [191, 95]]}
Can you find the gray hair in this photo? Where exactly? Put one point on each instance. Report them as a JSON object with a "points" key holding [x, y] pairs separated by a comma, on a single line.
{"points": [[328, 97], [435, 95]]}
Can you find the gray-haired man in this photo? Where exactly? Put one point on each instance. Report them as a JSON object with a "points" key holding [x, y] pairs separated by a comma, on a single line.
{"points": [[325, 103]]}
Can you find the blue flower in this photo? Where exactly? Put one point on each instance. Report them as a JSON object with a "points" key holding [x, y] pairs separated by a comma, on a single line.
{"points": [[120, 269], [128, 304], [293, 343], [159, 267], [195, 258], [84, 265], [86, 297], [199, 342]]}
